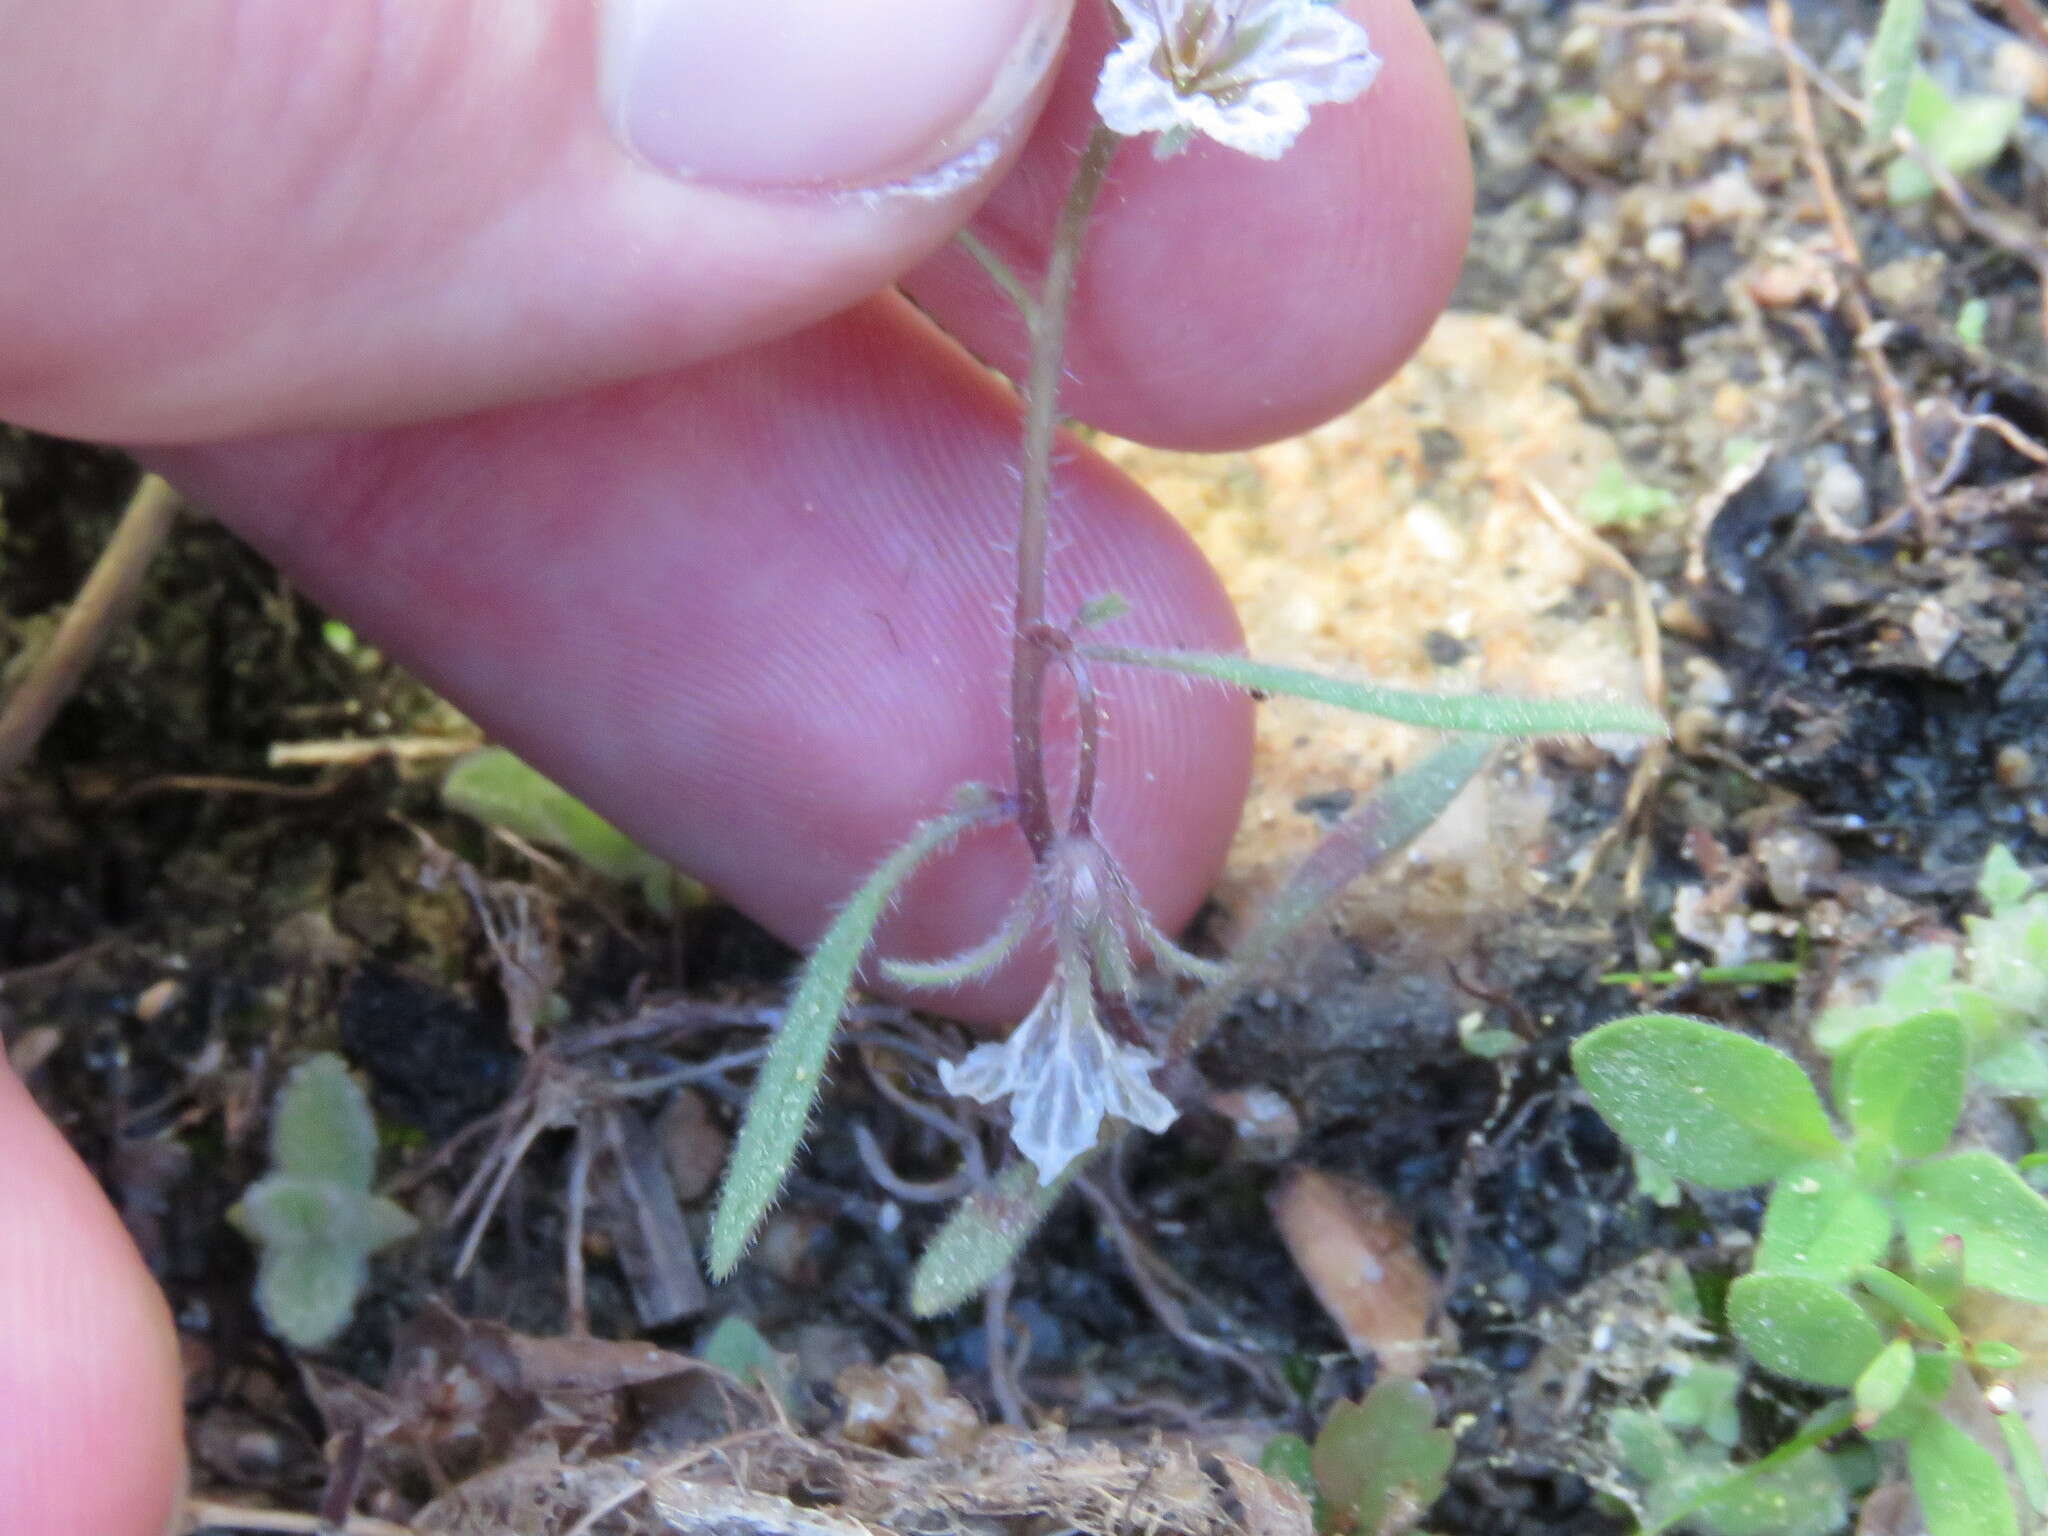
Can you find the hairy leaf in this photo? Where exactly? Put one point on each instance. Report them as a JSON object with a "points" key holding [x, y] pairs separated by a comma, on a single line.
{"points": [[780, 1106], [1479, 713], [1716, 1107], [321, 1126], [983, 1235], [1803, 1328], [2001, 1219], [1904, 1085], [1960, 1485], [1822, 1222]]}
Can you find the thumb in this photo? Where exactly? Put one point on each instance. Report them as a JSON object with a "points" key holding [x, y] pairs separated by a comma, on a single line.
{"points": [[230, 218], [90, 1439]]}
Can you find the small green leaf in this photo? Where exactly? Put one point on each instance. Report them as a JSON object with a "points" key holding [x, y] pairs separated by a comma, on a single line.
{"points": [[1615, 500], [2002, 1221], [2024, 1451], [1100, 610], [1704, 1399], [1482, 714], [788, 1083], [307, 1292], [1382, 1461], [983, 1235], [1905, 1085], [2015, 1068], [1803, 1328], [1933, 1376], [1821, 1222], [1971, 321], [1963, 134], [1960, 1485], [1882, 1386], [1647, 1449], [2002, 884], [1915, 1308], [737, 1348], [1996, 1354], [1721, 1109], [1288, 1458], [1888, 66], [322, 1128], [499, 790]]}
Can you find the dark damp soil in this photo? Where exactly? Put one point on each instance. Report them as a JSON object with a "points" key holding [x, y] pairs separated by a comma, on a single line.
{"points": [[1858, 721]]}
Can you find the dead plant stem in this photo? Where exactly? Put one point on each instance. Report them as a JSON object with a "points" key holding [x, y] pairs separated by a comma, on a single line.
{"points": [[101, 604], [1046, 324], [1869, 339]]}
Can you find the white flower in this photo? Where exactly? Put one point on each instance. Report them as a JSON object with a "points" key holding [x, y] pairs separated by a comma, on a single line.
{"points": [[1064, 1075], [1244, 72]]}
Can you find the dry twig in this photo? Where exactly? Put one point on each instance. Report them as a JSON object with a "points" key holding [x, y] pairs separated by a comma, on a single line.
{"points": [[101, 604]]}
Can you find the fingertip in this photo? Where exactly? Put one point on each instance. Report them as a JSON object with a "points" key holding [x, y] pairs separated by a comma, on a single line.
{"points": [[755, 613], [91, 1436]]}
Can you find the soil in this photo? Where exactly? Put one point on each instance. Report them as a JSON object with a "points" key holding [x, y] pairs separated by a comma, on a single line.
{"points": [[1650, 298]]}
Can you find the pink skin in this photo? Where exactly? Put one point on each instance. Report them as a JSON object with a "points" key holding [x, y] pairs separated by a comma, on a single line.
{"points": [[749, 605]]}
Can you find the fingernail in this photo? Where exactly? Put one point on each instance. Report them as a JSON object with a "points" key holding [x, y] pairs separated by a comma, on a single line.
{"points": [[797, 94]]}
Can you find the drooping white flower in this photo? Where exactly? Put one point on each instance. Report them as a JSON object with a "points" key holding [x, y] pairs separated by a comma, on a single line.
{"points": [[1064, 1075], [1244, 72]]}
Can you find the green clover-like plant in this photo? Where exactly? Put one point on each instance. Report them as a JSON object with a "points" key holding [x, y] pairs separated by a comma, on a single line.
{"points": [[1679, 1457], [1870, 1232], [1997, 988], [313, 1216]]}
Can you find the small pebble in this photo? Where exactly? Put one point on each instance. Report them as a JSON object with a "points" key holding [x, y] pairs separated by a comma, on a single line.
{"points": [[1681, 617], [1693, 729], [2013, 767]]}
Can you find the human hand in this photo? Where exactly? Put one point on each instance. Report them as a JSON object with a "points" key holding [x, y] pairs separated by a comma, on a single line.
{"points": [[637, 467]]}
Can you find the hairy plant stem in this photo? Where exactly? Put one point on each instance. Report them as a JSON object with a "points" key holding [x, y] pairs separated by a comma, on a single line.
{"points": [[1035, 641]]}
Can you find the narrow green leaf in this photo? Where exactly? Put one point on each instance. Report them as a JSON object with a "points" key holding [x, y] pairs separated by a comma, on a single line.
{"points": [[1915, 1308], [322, 1128], [1718, 1108], [1996, 1355], [1933, 1376], [1484, 714], [1960, 1485], [1888, 66], [1753, 973], [500, 790], [1882, 1386], [1904, 1085], [1397, 813], [2024, 1451], [2002, 1221], [1382, 1461], [983, 1235], [788, 1083], [1803, 1328], [1822, 1222]]}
